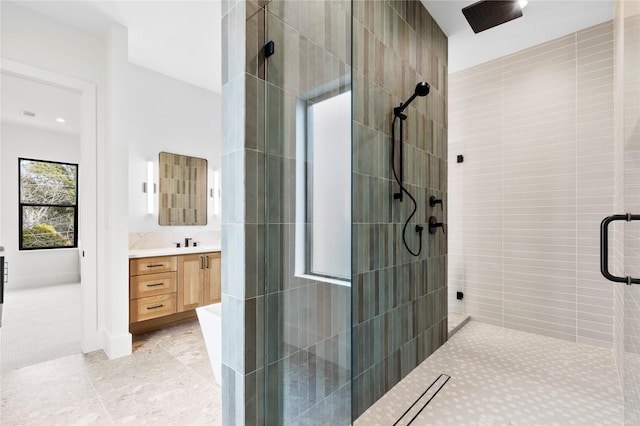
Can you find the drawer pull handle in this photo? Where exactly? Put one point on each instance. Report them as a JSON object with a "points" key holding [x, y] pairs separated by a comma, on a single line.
{"points": [[154, 285], [155, 307], [155, 265]]}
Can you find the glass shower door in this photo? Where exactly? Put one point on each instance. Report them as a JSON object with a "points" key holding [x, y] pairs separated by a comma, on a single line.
{"points": [[307, 208], [631, 96]]}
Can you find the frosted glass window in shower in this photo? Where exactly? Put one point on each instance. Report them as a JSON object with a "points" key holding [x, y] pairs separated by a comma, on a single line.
{"points": [[328, 199]]}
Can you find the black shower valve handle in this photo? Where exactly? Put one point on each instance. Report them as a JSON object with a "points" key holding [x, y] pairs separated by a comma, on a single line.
{"points": [[434, 225], [433, 201]]}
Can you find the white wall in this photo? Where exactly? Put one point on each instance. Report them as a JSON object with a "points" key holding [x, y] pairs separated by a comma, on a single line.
{"points": [[112, 162], [34, 39], [169, 115], [53, 266]]}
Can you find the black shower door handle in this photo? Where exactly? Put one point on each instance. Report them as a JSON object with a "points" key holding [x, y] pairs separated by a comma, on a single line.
{"points": [[604, 247]]}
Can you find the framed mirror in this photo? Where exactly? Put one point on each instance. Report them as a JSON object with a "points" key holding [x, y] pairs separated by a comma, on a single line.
{"points": [[182, 190]]}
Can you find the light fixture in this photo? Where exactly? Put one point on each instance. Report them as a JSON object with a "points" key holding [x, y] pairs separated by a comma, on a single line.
{"points": [[60, 120], [215, 193], [149, 187], [523, 3]]}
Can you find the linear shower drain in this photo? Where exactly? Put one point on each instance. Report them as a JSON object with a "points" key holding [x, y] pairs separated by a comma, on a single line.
{"points": [[423, 400]]}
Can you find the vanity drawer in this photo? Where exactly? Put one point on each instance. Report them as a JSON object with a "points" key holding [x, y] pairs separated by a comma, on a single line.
{"points": [[152, 307], [152, 265], [152, 285]]}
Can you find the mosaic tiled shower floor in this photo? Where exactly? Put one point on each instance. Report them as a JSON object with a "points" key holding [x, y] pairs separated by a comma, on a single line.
{"points": [[507, 377]]}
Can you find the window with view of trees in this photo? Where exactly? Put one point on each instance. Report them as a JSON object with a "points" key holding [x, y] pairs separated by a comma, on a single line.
{"points": [[48, 204]]}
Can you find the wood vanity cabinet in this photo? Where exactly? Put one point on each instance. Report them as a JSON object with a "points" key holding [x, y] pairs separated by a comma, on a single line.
{"points": [[152, 265], [199, 277], [213, 279], [152, 287], [191, 276], [165, 290]]}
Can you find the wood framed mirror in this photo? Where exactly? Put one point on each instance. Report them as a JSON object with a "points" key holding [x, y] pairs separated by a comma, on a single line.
{"points": [[182, 190]]}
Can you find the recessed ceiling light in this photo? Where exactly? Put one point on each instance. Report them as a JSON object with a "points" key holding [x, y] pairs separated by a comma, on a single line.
{"points": [[523, 3], [60, 120]]}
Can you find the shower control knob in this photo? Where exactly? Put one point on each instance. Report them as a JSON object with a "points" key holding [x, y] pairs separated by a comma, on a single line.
{"points": [[434, 225], [433, 201]]}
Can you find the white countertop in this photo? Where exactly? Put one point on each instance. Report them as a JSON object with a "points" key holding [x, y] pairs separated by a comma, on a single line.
{"points": [[170, 251]]}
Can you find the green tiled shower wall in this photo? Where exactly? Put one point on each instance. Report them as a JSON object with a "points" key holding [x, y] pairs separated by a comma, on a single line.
{"points": [[308, 323], [399, 301], [242, 226], [287, 341]]}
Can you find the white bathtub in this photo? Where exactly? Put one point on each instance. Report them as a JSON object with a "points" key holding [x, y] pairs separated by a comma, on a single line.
{"points": [[210, 318]]}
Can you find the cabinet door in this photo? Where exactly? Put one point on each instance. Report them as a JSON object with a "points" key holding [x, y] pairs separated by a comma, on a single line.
{"points": [[212, 282], [190, 281]]}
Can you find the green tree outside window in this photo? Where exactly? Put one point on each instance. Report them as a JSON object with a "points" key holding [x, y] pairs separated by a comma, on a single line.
{"points": [[48, 204]]}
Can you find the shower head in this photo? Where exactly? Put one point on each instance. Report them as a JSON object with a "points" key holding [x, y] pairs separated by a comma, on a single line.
{"points": [[422, 89]]}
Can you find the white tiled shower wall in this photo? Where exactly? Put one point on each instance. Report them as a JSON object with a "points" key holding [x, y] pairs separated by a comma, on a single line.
{"points": [[536, 132]]}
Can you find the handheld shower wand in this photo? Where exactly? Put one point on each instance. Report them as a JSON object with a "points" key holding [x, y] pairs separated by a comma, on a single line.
{"points": [[422, 89]]}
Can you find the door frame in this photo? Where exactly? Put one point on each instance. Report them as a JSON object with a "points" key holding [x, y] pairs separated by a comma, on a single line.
{"points": [[87, 209]]}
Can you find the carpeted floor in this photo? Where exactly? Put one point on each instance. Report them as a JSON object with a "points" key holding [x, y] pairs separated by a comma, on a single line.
{"points": [[40, 324]]}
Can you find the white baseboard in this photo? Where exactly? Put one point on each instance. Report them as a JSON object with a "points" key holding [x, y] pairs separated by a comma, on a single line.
{"points": [[91, 342], [116, 346], [19, 283]]}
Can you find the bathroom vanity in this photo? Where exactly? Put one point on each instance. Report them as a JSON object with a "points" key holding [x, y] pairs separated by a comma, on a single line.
{"points": [[165, 288]]}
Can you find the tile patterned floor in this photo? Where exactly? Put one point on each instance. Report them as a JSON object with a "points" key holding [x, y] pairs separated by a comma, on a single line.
{"points": [[166, 381], [455, 322], [632, 388], [508, 377], [499, 377]]}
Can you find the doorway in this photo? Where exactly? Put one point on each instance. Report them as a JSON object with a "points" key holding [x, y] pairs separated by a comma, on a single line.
{"points": [[50, 306]]}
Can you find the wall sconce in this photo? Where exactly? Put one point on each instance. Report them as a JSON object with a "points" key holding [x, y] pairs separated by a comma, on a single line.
{"points": [[149, 187], [215, 193]]}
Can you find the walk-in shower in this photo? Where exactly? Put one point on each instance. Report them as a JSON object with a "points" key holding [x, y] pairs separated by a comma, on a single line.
{"points": [[422, 89], [332, 310]]}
